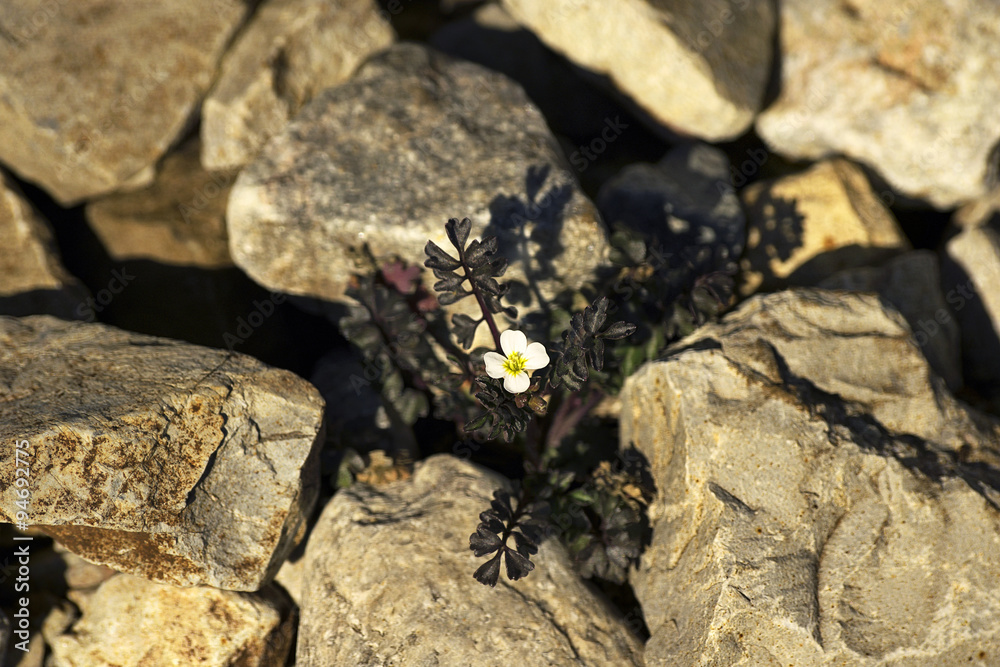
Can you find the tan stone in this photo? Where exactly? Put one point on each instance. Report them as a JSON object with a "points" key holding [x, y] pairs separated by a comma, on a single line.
{"points": [[804, 227]]}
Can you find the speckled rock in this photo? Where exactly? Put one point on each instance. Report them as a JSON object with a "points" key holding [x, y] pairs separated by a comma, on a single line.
{"points": [[185, 465], [389, 582], [131, 621], [911, 283], [413, 139], [971, 277], [821, 499], [93, 93], [908, 88], [719, 54], [289, 51], [804, 227], [179, 220], [32, 278]]}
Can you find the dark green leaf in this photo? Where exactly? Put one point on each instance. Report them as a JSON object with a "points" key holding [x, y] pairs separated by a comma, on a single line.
{"points": [[458, 232], [439, 259]]}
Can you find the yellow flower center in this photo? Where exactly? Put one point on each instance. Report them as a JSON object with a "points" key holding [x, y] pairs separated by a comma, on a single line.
{"points": [[515, 363]]}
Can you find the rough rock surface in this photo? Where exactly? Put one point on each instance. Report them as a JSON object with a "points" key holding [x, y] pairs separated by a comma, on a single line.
{"points": [[909, 88], [32, 278], [413, 139], [822, 501], [971, 276], [911, 283], [686, 202], [185, 465], [289, 51], [179, 220], [719, 54], [121, 81], [804, 227], [132, 621], [389, 582]]}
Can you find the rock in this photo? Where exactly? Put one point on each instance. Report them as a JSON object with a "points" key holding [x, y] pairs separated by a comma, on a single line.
{"points": [[389, 581], [131, 621], [492, 38], [32, 278], [809, 512], [910, 89], [289, 51], [911, 283], [83, 111], [804, 227], [719, 55], [985, 210], [971, 275], [414, 138], [185, 465], [686, 202], [179, 219]]}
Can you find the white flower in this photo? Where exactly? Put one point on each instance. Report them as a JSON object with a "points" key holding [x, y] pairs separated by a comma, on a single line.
{"points": [[516, 362]]}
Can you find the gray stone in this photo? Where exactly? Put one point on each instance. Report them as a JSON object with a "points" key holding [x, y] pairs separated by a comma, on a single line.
{"points": [[131, 621], [289, 51], [686, 202], [389, 582], [911, 283], [93, 93], [908, 88], [414, 138], [971, 277], [806, 226], [32, 278], [822, 500], [719, 55], [186, 465], [180, 219]]}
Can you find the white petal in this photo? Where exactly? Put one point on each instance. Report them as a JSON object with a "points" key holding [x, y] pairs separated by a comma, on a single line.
{"points": [[536, 357], [494, 365], [513, 341], [515, 384]]}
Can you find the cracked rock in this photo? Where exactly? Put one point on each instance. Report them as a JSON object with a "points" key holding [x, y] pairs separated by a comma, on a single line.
{"points": [[822, 500], [185, 465], [388, 581], [132, 621]]}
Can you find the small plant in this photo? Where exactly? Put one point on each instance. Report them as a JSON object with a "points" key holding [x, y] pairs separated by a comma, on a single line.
{"points": [[527, 398]]}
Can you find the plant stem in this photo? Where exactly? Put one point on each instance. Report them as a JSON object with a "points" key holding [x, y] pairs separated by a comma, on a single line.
{"points": [[487, 315]]}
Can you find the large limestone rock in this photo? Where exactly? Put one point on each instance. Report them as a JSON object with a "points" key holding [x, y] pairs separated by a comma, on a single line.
{"points": [[699, 68], [822, 501], [389, 581], [180, 219], [289, 51], [92, 93], [132, 621], [185, 465], [806, 226], [32, 278], [908, 88], [971, 277], [911, 283], [414, 138]]}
